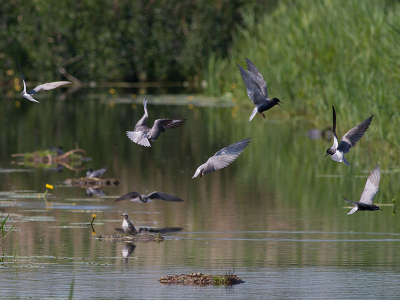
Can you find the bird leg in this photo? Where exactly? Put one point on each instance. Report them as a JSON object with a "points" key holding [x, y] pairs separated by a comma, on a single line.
{"points": [[262, 114]]}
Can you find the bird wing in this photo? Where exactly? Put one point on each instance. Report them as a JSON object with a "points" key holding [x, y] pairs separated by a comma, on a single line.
{"points": [[354, 135], [253, 90], [161, 125], [235, 148], [23, 78], [143, 119], [218, 162], [371, 186], [131, 195], [225, 156], [139, 137], [48, 86], [257, 77], [164, 196]]}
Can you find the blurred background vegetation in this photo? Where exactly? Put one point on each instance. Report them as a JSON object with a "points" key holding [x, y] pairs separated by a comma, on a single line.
{"points": [[312, 54], [119, 40]]}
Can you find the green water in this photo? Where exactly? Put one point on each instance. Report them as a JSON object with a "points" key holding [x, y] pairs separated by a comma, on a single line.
{"points": [[276, 215]]}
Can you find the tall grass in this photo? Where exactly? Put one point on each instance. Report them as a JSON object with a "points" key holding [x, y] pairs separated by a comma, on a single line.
{"points": [[314, 54]]}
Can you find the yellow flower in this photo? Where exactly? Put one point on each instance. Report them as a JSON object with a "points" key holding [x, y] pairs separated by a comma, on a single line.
{"points": [[93, 232], [190, 106], [112, 91], [17, 104], [49, 186], [133, 96], [133, 106], [94, 216], [190, 98]]}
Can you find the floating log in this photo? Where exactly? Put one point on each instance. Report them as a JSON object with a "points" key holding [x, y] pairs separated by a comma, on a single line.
{"points": [[201, 279], [92, 182]]}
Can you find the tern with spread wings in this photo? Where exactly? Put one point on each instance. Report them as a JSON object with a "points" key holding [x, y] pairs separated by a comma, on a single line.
{"points": [[370, 190], [136, 197], [256, 89], [348, 140], [222, 158], [142, 134], [42, 87]]}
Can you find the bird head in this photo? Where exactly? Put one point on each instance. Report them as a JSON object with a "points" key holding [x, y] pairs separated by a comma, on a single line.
{"points": [[375, 207], [276, 101], [329, 151], [125, 215]]}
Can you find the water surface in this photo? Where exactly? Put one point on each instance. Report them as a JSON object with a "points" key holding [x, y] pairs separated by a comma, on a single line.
{"points": [[275, 216]]}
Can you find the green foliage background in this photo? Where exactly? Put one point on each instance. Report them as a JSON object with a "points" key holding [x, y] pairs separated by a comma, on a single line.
{"points": [[118, 40]]}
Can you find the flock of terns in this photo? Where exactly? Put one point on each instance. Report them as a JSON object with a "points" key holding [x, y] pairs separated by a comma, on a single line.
{"points": [[257, 92]]}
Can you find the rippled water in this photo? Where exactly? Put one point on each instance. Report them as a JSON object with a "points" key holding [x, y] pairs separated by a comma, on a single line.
{"points": [[276, 216]]}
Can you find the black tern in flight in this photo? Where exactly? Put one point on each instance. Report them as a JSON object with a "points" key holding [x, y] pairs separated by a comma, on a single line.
{"points": [[348, 140], [42, 87], [136, 197], [256, 89], [370, 190], [127, 225], [95, 174], [222, 158], [142, 134]]}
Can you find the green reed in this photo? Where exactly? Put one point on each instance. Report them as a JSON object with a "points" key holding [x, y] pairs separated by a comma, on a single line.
{"points": [[4, 235], [314, 54]]}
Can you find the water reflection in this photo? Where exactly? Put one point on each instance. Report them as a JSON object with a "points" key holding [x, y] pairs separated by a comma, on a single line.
{"points": [[127, 250], [274, 215]]}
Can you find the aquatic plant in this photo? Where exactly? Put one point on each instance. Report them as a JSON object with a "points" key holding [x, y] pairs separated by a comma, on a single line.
{"points": [[4, 235], [93, 217], [48, 187], [202, 279]]}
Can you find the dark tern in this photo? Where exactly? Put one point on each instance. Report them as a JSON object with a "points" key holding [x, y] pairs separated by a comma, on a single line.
{"points": [[370, 190], [142, 134], [95, 174], [136, 197], [222, 158], [42, 87], [348, 140], [127, 225], [256, 89]]}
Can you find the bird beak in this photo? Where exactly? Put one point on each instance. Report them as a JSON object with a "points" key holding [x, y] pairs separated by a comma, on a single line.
{"points": [[326, 155], [279, 104]]}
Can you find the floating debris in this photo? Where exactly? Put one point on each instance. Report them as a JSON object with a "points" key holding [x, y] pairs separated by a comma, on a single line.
{"points": [[201, 279], [141, 237], [50, 159]]}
